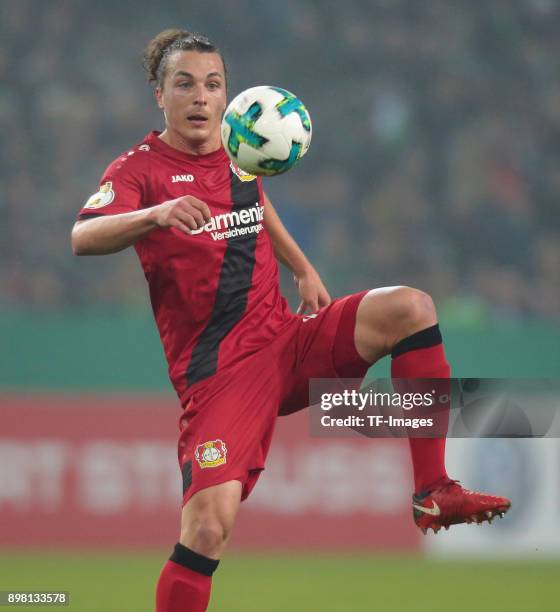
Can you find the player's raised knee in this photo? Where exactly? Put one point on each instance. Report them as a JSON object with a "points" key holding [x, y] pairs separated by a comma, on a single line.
{"points": [[413, 307], [205, 536], [422, 306]]}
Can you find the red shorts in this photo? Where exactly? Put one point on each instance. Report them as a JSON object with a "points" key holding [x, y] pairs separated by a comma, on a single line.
{"points": [[227, 424]]}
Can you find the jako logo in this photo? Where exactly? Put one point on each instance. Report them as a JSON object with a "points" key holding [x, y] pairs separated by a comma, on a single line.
{"points": [[182, 178], [235, 223]]}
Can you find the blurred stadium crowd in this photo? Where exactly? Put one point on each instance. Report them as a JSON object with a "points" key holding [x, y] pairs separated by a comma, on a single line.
{"points": [[435, 160]]}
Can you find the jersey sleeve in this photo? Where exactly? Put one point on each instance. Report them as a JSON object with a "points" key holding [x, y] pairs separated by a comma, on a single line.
{"points": [[120, 191]]}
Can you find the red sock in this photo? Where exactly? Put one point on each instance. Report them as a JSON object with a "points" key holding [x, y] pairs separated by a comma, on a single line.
{"points": [[421, 356], [185, 581]]}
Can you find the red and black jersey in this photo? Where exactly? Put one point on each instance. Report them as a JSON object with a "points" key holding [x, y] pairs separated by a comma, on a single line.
{"points": [[215, 293]]}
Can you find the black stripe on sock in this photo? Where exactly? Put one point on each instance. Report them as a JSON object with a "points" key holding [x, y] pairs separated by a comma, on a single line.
{"points": [[422, 339], [236, 279], [192, 560]]}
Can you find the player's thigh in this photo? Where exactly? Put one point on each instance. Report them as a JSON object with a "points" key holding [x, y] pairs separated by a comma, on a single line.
{"points": [[226, 430], [325, 349], [208, 517], [387, 315]]}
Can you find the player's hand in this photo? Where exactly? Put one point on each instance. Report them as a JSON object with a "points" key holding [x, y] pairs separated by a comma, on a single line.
{"points": [[312, 292], [186, 213]]}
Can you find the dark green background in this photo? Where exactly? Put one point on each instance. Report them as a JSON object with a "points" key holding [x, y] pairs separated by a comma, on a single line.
{"points": [[108, 351]]}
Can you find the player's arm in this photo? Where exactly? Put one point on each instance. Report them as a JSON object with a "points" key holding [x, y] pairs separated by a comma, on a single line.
{"points": [[311, 289], [112, 233]]}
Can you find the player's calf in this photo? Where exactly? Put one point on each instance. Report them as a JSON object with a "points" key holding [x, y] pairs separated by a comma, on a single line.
{"points": [[185, 582]]}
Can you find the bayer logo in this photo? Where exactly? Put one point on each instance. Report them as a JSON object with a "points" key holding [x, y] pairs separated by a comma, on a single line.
{"points": [[210, 454]]}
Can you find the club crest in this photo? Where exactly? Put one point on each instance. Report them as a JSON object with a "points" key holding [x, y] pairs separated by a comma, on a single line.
{"points": [[211, 454], [241, 174]]}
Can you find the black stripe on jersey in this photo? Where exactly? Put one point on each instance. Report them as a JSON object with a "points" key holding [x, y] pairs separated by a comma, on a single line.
{"points": [[233, 288]]}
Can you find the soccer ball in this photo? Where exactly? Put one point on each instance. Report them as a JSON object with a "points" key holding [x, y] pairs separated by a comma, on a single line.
{"points": [[266, 130]]}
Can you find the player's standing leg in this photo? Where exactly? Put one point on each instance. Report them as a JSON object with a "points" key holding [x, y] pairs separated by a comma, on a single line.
{"points": [[206, 522], [402, 321], [226, 431]]}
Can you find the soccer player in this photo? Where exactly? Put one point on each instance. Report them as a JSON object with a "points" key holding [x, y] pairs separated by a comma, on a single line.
{"points": [[208, 239]]}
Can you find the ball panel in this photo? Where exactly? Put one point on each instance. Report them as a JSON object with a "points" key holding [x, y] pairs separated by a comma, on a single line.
{"points": [[266, 130], [279, 166], [248, 160]]}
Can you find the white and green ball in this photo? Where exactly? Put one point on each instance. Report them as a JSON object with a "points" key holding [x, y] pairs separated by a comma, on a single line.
{"points": [[266, 130]]}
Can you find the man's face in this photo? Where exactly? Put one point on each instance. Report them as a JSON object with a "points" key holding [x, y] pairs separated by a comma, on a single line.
{"points": [[194, 97]]}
